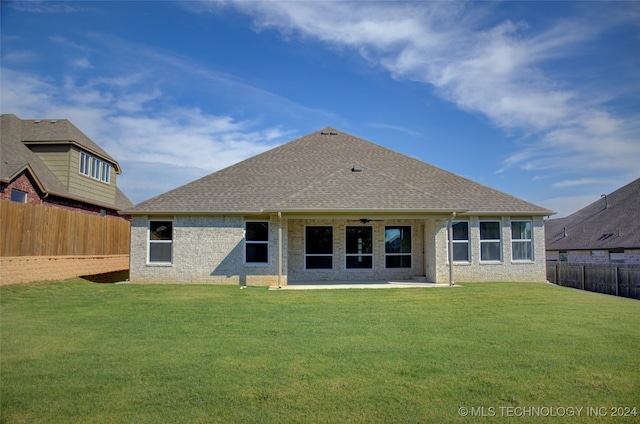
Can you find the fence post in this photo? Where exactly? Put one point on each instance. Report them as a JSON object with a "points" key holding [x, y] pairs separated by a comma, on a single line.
{"points": [[582, 277], [556, 274], [617, 280]]}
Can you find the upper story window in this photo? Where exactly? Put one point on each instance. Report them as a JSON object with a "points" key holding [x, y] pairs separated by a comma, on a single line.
{"points": [[95, 168]]}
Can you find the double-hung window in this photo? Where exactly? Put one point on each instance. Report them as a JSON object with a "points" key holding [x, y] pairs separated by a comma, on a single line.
{"points": [[256, 242], [460, 231], [160, 242], [490, 241], [318, 247], [359, 247], [397, 246], [521, 241]]}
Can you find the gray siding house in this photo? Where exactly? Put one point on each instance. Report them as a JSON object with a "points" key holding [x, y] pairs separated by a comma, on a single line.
{"points": [[331, 206], [606, 231]]}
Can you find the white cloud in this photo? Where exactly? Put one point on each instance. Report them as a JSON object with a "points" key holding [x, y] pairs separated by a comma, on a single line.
{"points": [[180, 141], [496, 67]]}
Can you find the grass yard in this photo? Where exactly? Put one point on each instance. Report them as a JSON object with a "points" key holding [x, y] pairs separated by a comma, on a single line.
{"points": [[81, 352]]}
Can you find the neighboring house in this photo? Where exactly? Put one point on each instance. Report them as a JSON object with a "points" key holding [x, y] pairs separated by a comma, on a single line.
{"points": [[331, 206], [606, 231], [51, 162]]}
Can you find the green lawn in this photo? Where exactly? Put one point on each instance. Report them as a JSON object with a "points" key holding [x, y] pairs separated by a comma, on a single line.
{"points": [[81, 352]]}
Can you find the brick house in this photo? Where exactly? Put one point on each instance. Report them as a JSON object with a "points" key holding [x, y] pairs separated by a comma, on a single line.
{"points": [[331, 206], [52, 163], [606, 231]]}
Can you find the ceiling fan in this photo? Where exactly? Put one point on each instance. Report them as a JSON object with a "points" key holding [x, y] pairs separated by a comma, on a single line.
{"points": [[366, 220]]}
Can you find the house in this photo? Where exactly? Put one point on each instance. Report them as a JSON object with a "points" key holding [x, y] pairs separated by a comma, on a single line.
{"points": [[51, 162], [331, 206], [606, 231]]}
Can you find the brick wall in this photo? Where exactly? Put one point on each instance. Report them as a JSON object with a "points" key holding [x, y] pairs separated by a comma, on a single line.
{"points": [[24, 269], [24, 183], [206, 250], [210, 249], [506, 269]]}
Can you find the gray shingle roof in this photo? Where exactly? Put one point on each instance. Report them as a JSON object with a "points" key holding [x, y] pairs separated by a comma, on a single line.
{"points": [[611, 223], [15, 156], [314, 174]]}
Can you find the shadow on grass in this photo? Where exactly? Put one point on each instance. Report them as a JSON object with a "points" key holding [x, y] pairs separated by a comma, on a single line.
{"points": [[109, 277]]}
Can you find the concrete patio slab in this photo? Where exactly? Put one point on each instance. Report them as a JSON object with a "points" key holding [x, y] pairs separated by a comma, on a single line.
{"points": [[329, 285]]}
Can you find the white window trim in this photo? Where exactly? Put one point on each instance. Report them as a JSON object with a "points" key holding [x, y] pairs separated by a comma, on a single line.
{"points": [[149, 241], [94, 168], [398, 254], [492, 261], [373, 249], [530, 241], [332, 255], [467, 241], [267, 242]]}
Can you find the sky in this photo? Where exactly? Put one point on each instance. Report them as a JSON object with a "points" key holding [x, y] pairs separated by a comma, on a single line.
{"points": [[538, 99]]}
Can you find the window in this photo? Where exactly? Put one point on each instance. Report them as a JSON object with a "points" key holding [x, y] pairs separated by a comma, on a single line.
{"points": [[490, 244], [105, 177], [18, 196], [318, 248], [85, 161], [256, 243], [359, 247], [160, 242], [95, 168], [616, 255], [397, 247], [521, 241], [460, 241]]}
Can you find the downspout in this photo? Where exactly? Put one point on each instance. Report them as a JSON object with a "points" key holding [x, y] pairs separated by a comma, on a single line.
{"points": [[279, 250], [450, 231]]}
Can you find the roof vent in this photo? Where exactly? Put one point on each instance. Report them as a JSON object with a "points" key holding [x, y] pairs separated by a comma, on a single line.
{"points": [[356, 169], [328, 133], [53, 121]]}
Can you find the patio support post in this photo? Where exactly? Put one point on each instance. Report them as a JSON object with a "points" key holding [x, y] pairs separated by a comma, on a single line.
{"points": [[279, 250], [450, 232]]}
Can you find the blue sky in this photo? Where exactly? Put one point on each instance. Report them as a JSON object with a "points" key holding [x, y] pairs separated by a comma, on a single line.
{"points": [[537, 99]]}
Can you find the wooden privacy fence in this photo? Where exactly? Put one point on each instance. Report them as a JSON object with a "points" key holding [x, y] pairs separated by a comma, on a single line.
{"points": [[33, 230], [616, 279]]}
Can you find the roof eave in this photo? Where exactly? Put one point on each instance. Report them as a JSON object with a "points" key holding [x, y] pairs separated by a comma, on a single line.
{"points": [[511, 213], [81, 146]]}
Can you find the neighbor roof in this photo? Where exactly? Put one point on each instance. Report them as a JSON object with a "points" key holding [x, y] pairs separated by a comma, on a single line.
{"points": [[16, 157], [612, 222], [332, 171]]}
